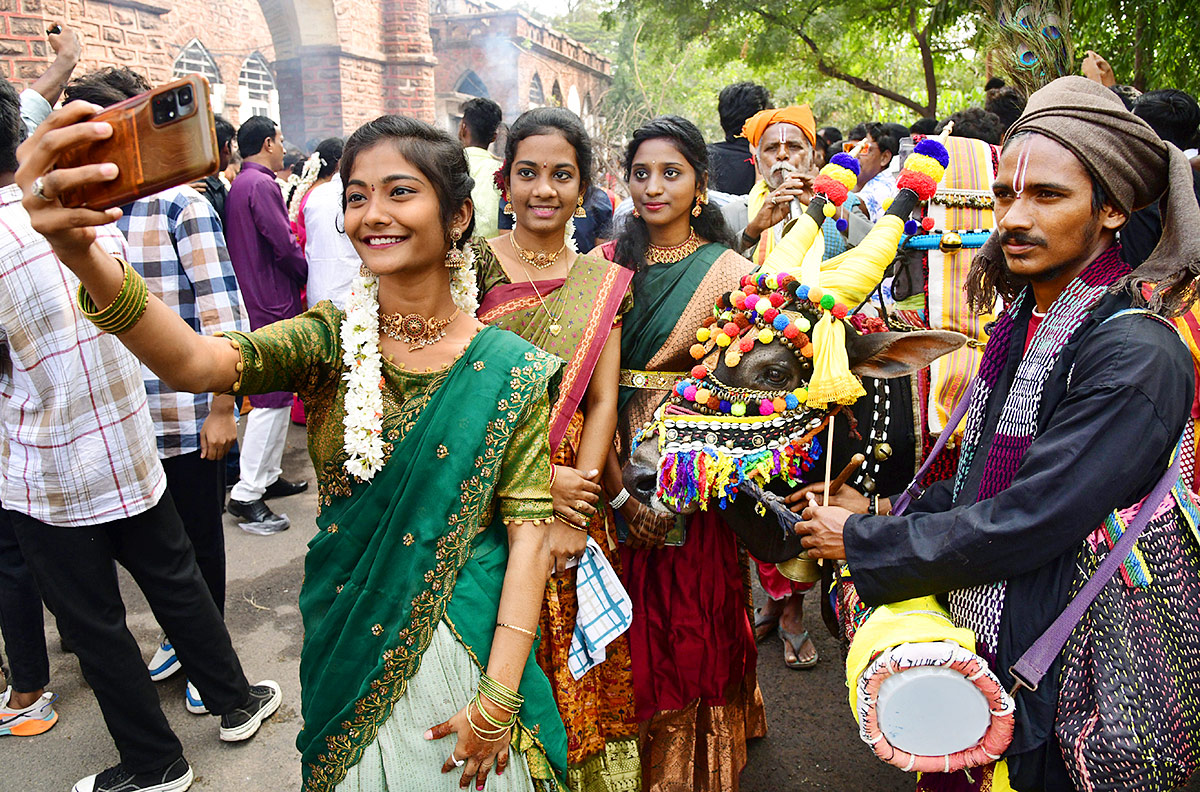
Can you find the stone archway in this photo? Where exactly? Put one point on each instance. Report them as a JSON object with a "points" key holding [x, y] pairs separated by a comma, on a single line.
{"points": [[338, 69]]}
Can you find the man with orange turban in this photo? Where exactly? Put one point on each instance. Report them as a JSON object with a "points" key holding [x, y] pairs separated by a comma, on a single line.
{"points": [[782, 142]]}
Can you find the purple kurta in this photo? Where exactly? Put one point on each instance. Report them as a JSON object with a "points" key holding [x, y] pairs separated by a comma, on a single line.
{"points": [[269, 263]]}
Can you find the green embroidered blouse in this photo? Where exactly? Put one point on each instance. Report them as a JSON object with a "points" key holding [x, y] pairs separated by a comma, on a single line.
{"points": [[304, 355]]}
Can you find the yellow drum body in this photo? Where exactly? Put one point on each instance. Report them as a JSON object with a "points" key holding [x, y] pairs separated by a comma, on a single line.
{"points": [[923, 699]]}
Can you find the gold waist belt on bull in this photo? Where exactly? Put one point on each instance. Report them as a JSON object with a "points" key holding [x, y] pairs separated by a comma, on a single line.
{"points": [[650, 380]]}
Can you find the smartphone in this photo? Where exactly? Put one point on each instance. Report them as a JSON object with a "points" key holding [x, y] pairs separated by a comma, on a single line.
{"points": [[160, 139]]}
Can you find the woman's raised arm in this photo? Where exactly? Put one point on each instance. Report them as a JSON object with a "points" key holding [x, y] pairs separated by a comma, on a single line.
{"points": [[178, 355]]}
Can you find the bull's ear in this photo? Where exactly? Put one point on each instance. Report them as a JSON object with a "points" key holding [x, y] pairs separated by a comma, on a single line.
{"points": [[888, 355]]}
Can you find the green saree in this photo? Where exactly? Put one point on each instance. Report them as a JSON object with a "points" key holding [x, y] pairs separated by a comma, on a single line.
{"points": [[663, 293], [422, 544]]}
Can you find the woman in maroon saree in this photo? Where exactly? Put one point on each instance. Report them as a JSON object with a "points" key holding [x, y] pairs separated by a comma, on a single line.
{"points": [[693, 646], [534, 284]]}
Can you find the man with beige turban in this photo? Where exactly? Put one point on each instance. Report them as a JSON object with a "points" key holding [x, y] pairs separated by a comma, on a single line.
{"points": [[1074, 415]]}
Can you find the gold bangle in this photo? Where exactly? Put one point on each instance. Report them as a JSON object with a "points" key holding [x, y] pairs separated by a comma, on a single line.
{"points": [[125, 310], [487, 735], [522, 630]]}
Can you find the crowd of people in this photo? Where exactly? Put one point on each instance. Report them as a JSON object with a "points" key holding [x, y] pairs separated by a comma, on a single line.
{"points": [[475, 331]]}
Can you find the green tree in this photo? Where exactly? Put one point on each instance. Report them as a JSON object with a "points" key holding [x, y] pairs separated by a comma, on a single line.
{"points": [[1149, 44], [875, 46]]}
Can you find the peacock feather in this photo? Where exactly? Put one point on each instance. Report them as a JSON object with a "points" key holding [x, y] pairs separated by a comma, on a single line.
{"points": [[1029, 40]]}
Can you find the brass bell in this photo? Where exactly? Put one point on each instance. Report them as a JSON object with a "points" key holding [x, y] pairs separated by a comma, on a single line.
{"points": [[950, 242], [883, 452], [801, 569], [868, 484]]}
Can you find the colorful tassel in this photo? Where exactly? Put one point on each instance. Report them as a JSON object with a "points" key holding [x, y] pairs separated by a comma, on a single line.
{"points": [[832, 382]]}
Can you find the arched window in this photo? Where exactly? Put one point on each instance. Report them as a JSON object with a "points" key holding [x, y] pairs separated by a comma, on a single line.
{"points": [[195, 58], [556, 95], [256, 89], [573, 103], [537, 97], [471, 85]]}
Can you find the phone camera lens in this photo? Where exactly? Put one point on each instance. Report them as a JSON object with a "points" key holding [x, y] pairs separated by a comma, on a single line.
{"points": [[185, 96]]}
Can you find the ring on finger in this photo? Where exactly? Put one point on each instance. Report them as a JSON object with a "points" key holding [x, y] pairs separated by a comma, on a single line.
{"points": [[39, 189], [457, 762]]}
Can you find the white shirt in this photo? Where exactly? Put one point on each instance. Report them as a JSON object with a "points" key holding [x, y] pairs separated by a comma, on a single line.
{"points": [[78, 445], [332, 260]]}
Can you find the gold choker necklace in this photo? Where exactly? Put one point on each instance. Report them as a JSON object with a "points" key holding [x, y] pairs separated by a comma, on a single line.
{"points": [[538, 259], [656, 254], [415, 329]]}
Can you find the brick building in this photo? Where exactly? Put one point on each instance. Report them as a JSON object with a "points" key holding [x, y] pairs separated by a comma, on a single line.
{"points": [[321, 67], [509, 57]]}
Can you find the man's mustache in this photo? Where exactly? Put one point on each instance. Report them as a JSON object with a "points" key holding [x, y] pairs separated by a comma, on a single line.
{"points": [[785, 168], [1018, 238]]}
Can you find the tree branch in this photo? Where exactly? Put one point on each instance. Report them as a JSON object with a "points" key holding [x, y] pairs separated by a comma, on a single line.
{"points": [[830, 70], [922, 38]]}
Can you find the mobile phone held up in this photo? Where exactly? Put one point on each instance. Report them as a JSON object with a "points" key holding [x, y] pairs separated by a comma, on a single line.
{"points": [[160, 139]]}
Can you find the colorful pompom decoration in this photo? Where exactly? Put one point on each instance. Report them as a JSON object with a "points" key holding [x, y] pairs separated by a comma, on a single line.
{"points": [[911, 227], [932, 147], [923, 185], [842, 225], [927, 223], [844, 160]]}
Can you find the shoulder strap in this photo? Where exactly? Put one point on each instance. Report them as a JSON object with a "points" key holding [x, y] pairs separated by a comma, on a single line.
{"points": [[1033, 665], [913, 490]]}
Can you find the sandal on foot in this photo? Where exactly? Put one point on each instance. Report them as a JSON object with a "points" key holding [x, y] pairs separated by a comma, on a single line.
{"points": [[794, 641], [763, 627]]}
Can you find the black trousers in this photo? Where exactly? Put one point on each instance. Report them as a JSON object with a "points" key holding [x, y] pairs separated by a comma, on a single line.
{"points": [[75, 572], [198, 488], [21, 621]]}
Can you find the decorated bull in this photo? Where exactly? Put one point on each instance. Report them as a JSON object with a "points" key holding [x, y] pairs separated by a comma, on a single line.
{"points": [[778, 364]]}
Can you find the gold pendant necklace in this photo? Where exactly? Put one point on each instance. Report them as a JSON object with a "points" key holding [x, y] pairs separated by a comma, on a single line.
{"points": [[538, 259], [414, 329], [554, 327], [669, 255]]}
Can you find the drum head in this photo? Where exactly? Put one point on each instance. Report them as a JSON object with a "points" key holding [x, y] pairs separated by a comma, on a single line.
{"points": [[932, 711]]}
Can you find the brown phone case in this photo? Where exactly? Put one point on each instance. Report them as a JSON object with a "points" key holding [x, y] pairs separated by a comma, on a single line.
{"points": [[150, 156]]}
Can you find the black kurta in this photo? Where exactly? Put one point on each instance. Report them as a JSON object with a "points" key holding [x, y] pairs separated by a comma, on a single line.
{"points": [[1112, 410]]}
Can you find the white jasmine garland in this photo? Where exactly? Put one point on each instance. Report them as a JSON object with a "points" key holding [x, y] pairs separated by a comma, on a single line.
{"points": [[463, 287], [569, 235], [363, 440]]}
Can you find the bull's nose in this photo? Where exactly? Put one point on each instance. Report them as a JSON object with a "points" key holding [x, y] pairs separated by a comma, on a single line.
{"points": [[641, 483]]}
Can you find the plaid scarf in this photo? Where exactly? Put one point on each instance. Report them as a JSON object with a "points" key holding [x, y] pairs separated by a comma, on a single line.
{"points": [[979, 608]]}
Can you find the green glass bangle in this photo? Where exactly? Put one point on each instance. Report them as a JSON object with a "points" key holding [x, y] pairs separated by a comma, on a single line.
{"points": [[503, 696], [488, 717], [126, 309]]}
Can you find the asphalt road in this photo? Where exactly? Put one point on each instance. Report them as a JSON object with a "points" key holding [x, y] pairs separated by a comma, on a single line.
{"points": [[812, 742]]}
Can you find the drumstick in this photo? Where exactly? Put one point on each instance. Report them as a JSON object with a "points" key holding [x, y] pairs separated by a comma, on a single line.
{"points": [[828, 458], [846, 473]]}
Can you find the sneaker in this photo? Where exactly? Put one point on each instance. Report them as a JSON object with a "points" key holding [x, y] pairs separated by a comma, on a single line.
{"points": [[164, 663], [242, 723], [281, 488], [176, 777], [38, 718], [192, 700]]}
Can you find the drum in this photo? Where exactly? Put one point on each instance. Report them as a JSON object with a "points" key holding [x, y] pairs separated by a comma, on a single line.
{"points": [[923, 699]]}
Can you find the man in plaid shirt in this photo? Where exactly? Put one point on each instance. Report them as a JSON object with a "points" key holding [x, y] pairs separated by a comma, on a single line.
{"points": [[81, 478], [175, 242]]}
